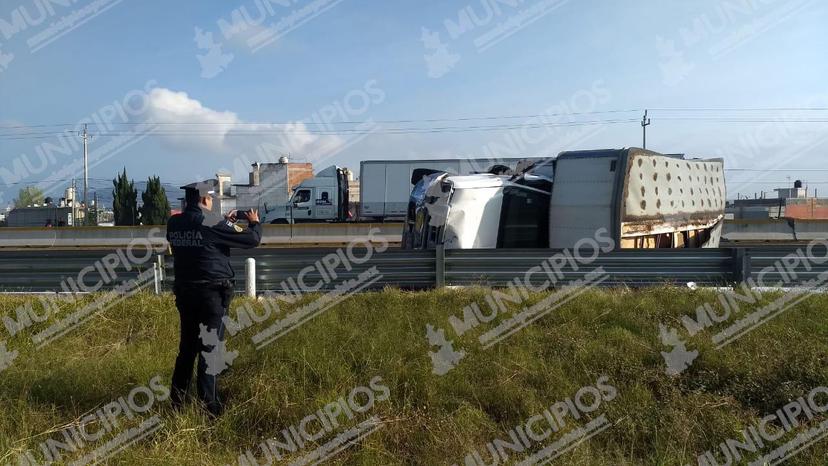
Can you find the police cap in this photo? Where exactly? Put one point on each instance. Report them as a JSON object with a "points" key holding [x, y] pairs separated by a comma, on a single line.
{"points": [[202, 188]]}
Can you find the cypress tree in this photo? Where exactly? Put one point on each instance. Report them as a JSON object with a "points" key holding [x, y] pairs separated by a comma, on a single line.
{"points": [[124, 201], [156, 208]]}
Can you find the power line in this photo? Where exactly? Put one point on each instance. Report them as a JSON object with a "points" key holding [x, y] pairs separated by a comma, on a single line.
{"points": [[774, 182], [28, 138], [347, 122], [35, 126], [329, 128], [491, 117], [777, 169], [228, 129], [740, 109], [280, 131], [747, 120], [473, 118], [423, 120], [234, 132]]}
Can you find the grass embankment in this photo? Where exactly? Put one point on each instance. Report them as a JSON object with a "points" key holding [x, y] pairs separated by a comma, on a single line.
{"points": [[428, 419]]}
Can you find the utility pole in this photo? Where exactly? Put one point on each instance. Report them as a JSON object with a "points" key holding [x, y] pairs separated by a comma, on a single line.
{"points": [[645, 122], [85, 136]]}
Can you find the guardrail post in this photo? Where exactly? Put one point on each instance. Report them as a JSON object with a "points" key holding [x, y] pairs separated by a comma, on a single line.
{"points": [[741, 265], [250, 275], [160, 260], [156, 277], [440, 265]]}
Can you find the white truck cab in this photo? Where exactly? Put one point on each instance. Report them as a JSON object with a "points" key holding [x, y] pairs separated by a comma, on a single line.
{"points": [[321, 198]]}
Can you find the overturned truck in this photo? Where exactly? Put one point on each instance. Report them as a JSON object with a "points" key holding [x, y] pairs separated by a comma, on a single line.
{"points": [[640, 198]]}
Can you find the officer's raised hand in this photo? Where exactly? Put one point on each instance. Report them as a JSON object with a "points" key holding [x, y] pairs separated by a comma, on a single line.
{"points": [[252, 216]]}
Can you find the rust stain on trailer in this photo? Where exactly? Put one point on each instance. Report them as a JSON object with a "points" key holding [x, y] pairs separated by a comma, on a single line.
{"points": [[664, 194]]}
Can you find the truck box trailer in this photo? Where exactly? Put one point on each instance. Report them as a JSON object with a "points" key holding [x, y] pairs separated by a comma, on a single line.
{"points": [[642, 199], [384, 189]]}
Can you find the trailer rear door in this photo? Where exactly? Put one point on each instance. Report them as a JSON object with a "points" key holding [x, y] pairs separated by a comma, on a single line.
{"points": [[372, 189]]}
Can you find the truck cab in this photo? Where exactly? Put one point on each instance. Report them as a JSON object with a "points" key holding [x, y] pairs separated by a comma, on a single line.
{"points": [[323, 198]]}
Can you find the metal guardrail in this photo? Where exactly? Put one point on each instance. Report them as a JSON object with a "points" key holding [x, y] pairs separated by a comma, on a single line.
{"points": [[280, 270], [767, 266], [292, 270], [645, 267], [60, 270]]}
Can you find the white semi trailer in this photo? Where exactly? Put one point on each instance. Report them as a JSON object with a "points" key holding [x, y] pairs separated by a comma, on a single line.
{"points": [[640, 198], [384, 188]]}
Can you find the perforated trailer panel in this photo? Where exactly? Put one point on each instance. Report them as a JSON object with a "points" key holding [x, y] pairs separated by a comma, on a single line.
{"points": [[635, 193], [664, 194]]}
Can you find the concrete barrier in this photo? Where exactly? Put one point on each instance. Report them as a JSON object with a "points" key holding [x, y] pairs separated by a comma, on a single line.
{"points": [[758, 230], [337, 234], [301, 235], [808, 230]]}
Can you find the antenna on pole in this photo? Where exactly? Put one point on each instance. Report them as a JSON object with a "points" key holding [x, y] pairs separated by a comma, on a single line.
{"points": [[645, 122]]}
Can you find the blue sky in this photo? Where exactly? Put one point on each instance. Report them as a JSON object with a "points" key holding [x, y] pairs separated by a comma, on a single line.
{"points": [[413, 61]]}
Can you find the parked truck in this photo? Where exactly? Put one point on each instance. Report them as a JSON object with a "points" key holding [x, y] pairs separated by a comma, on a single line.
{"points": [[384, 189], [642, 199], [319, 199]]}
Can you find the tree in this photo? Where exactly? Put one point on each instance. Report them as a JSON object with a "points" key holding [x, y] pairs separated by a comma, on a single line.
{"points": [[28, 196], [124, 201], [156, 208]]}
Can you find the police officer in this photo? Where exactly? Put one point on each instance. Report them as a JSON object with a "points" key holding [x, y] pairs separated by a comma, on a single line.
{"points": [[203, 286]]}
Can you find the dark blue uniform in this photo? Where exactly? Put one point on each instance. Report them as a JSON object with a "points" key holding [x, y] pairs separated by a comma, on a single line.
{"points": [[203, 290]]}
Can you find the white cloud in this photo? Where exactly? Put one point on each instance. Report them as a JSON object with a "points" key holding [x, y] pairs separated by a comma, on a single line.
{"points": [[185, 123]]}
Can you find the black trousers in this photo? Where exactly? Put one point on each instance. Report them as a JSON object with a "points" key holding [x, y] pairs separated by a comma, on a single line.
{"points": [[200, 307]]}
